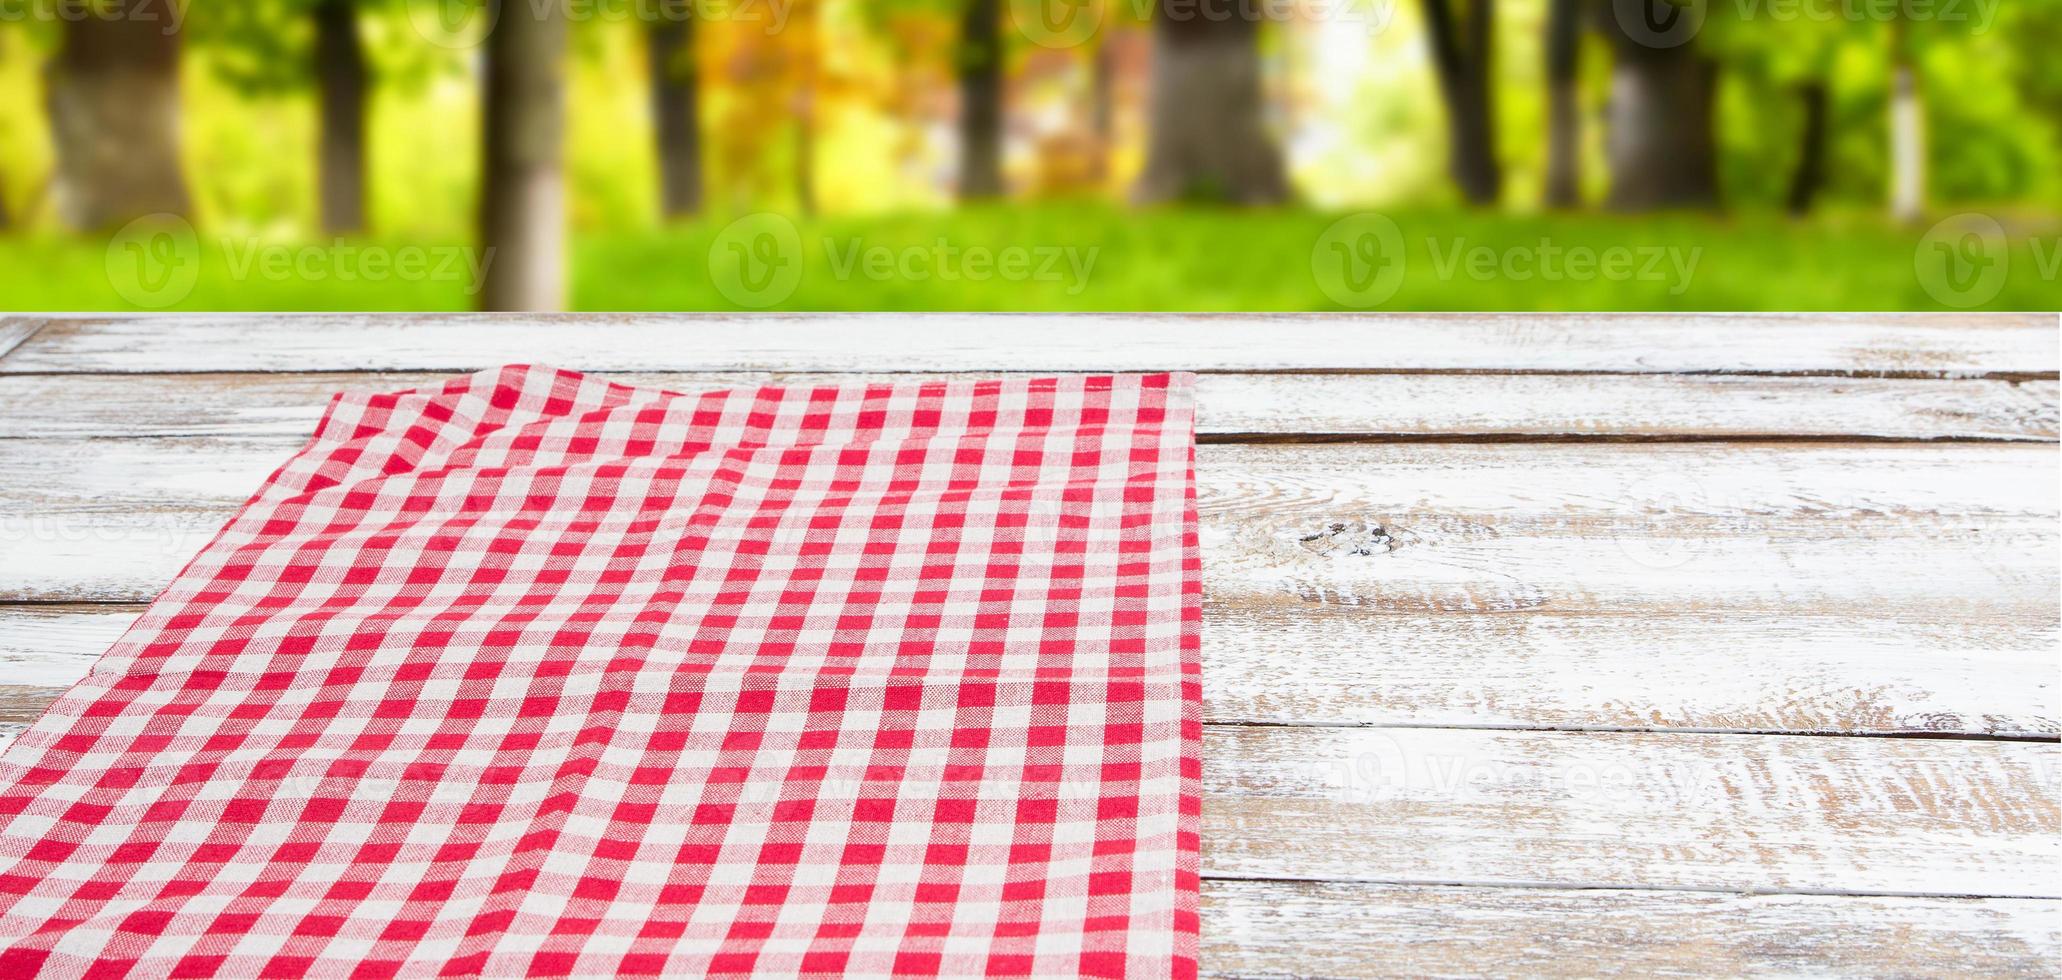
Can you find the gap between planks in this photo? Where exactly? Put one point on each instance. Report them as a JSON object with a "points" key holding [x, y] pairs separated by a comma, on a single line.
{"points": [[22, 705]]}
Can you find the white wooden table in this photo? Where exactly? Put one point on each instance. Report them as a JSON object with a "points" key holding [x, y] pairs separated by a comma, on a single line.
{"points": [[1532, 645]]}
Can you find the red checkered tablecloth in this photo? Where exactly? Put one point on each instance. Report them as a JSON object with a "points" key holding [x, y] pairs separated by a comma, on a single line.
{"points": [[532, 673]]}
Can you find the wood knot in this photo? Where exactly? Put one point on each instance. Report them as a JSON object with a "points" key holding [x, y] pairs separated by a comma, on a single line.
{"points": [[1356, 538]]}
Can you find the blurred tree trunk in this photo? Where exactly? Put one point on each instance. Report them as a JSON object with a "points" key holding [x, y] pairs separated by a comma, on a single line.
{"points": [[1461, 53], [1661, 145], [676, 114], [113, 91], [341, 78], [1564, 111], [1102, 107], [980, 100], [1208, 139], [804, 20], [1811, 150], [1907, 131], [522, 198], [805, 151]]}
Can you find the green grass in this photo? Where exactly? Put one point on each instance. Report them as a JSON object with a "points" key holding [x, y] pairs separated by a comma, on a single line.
{"points": [[1141, 260]]}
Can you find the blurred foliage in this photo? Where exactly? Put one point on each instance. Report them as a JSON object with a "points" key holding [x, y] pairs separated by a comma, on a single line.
{"points": [[869, 85]]}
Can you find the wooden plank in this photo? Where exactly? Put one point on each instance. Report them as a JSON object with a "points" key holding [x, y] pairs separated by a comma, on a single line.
{"points": [[1706, 670], [1755, 813], [15, 329], [1477, 406], [1940, 817], [1797, 675], [1309, 929], [1395, 528], [1793, 588], [1398, 528], [45, 649], [1918, 345]]}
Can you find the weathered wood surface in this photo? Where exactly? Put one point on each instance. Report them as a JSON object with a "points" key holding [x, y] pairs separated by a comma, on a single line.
{"points": [[1737, 813], [14, 330], [1715, 674], [1231, 406], [1324, 929], [1587, 523], [1716, 812], [1943, 345], [1398, 528], [1808, 588]]}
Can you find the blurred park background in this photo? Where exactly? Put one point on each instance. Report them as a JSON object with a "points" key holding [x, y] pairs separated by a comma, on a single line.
{"points": [[1030, 154]]}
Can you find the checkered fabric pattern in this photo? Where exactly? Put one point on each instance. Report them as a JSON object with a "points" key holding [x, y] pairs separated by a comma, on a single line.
{"points": [[532, 673]]}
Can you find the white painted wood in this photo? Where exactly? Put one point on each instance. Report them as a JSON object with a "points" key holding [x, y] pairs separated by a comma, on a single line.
{"points": [[1933, 344], [1794, 588], [1372, 406], [53, 647], [1753, 813], [1399, 528], [15, 329], [1700, 812], [1312, 929], [1712, 673], [1766, 587], [1750, 813], [1693, 669], [1893, 532]]}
